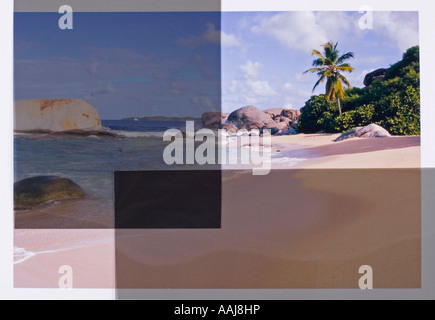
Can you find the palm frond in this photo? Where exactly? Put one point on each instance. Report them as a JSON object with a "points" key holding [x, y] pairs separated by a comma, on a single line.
{"points": [[345, 81], [344, 57], [312, 70], [322, 78], [338, 89], [318, 62], [329, 93], [329, 65], [345, 67], [318, 54]]}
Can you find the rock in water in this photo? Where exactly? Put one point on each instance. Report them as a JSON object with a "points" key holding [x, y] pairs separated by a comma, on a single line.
{"points": [[249, 117], [31, 192], [56, 115], [370, 131], [213, 120]]}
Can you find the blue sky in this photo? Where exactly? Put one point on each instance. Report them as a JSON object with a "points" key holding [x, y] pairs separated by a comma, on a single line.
{"points": [[183, 64], [266, 53], [124, 64]]}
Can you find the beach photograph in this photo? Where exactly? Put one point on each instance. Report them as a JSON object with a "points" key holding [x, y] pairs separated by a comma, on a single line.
{"points": [[300, 133]]}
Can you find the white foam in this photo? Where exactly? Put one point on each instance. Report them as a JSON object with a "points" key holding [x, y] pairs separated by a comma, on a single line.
{"points": [[137, 134], [285, 162], [26, 134], [21, 254]]}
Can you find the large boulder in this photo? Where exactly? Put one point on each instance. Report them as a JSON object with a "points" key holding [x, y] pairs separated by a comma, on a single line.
{"points": [[274, 112], [56, 115], [229, 128], [283, 119], [213, 120], [31, 192], [292, 114], [374, 75], [370, 131], [249, 117], [277, 127]]}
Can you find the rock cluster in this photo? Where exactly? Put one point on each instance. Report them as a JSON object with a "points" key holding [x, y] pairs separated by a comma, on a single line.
{"points": [[278, 120]]}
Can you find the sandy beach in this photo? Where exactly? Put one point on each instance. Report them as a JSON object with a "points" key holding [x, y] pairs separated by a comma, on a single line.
{"points": [[294, 228]]}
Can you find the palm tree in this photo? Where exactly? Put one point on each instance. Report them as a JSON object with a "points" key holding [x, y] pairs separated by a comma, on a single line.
{"points": [[330, 65]]}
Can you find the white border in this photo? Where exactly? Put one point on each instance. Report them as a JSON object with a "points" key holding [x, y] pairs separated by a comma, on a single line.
{"points": [[427, 45], [6, 137]]}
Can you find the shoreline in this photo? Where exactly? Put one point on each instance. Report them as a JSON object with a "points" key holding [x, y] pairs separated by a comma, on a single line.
{"points": [[358, 153], [282, 247]]}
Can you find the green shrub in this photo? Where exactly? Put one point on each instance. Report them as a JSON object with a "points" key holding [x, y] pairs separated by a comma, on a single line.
{"points": [[359, 117], [401, 112], [393, 103], [318, 115]]}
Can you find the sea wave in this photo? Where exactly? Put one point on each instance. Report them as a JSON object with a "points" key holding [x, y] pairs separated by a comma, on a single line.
{"points": [[136, 134], [22, 134], [21, 254], [286, 159], [30, 134], [285, 162]]}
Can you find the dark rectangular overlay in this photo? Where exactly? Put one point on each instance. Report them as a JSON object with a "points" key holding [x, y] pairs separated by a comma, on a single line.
{"points": [[168, 199]]}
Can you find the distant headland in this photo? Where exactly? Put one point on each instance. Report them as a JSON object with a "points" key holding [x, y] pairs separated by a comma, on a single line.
{"points": [[162, 118]]}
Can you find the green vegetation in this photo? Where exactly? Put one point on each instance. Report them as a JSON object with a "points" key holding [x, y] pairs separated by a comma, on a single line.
{"points": [[392, 101], [329, 66]]}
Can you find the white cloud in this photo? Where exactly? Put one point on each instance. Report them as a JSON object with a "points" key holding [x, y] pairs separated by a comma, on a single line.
{"points": [[108, 88], [401, 27], [229, 40], [295, 30], [303, 78], [250, 69], [234, 87], [304, 30], [251, 82], [357, 79], [202, 101], [211, 35], [260, 88], [248, 87], [287, 86]]}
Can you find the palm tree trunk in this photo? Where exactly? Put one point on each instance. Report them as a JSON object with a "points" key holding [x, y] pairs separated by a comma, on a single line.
{"points": [[339, 105]]}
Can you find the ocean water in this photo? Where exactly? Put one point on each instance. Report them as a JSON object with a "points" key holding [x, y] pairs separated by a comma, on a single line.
{"points": [[91, 161]]}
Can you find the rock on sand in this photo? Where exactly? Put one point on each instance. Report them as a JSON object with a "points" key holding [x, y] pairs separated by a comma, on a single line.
{"points": [[370, 131], [249, 117]]}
